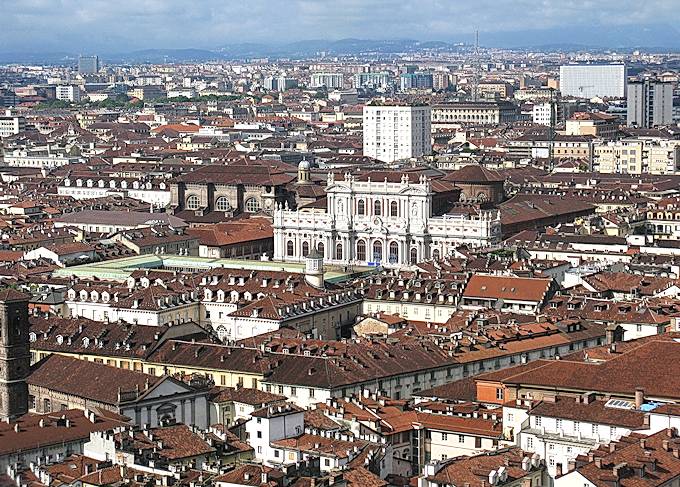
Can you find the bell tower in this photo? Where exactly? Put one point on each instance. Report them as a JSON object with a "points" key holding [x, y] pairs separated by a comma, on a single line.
{"points": [[15, 356]]}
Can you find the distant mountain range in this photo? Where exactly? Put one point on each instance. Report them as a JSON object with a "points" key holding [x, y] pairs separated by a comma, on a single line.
{"points": [[653, 37]]}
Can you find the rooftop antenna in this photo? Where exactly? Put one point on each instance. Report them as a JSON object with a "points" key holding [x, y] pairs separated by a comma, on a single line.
{"points": [[477, 68]]}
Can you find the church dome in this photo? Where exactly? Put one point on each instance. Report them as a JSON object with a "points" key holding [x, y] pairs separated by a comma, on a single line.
{"points": [[304, 165]]}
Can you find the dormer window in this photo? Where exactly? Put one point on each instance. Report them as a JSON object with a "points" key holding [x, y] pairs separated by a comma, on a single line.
{"points": [[32, 337], [60, 339]]}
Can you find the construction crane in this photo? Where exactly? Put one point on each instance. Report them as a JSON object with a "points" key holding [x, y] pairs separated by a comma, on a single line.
{"points": [[582, 87]]}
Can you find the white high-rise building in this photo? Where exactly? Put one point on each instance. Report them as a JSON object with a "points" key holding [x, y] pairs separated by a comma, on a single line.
{"points": [[593, 80], [650, 104], [394, 132], [68, 93], [11, 124], [329, 80]]}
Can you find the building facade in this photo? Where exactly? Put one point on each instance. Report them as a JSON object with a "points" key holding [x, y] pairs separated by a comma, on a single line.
{"points": [[68, 93], [650, 104], [481, 112], [379, 223], [393, 132], [593, 80], [11, 124], [329, 80], [88, 64]]}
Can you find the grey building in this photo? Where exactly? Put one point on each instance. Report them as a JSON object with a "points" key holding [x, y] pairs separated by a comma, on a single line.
{"points": [[416, 81], [650, 104], [88, 64]]}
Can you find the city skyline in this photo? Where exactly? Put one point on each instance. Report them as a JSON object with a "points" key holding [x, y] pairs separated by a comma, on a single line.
{"points": [[83, 27]]}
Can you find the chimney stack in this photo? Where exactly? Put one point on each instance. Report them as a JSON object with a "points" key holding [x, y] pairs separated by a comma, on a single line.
{"points": [[639, 397]]}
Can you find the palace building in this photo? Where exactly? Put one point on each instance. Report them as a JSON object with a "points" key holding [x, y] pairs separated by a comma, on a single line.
{"points": [[383, 218]]}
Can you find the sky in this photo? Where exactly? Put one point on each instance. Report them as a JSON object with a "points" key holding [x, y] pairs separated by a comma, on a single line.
{"points": [[87, 26]]}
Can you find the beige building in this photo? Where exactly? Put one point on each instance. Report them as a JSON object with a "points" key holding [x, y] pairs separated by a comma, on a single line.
{"points": [[596, 124], [494, 89], [637, 156], [482, 112]]}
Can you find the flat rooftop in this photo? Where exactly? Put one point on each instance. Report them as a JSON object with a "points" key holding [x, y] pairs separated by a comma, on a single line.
{"points": [[121, 269]]}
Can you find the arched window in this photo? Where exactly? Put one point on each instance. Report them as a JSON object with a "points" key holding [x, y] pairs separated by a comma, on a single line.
{"points": [[377, 208], [361, 250], [222, 204], [290, 249], [394, 252], [320, 248], [221, 333], [394, 209], [377, 251], [435, 254], [414, 255], [252, 205], [361, 207], [338, 252], [305, 249], [193, 202]]}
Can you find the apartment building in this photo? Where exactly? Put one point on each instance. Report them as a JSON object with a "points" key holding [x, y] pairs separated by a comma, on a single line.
{"points": [[637, 156], [393, 132], [11, 124], [650, 104]]}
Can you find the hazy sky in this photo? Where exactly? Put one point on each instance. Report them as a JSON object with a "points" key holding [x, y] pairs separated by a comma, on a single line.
{"points": [[119, 25]]}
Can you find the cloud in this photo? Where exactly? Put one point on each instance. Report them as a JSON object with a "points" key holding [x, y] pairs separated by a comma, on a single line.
{"points": [[106, 26]]}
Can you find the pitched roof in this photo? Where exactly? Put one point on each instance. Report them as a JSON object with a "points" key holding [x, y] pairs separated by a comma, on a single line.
{"points": [[509, 288], [644, 366], [633, 461], [26, 433], [592, 412], [474, 470], [89, 380]]}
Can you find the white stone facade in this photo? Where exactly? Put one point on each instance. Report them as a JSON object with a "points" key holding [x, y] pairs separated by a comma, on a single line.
{"points": [[154, 193], [378, 223]]}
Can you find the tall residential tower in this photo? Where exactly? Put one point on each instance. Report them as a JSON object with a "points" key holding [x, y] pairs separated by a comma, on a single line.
{"points": [[394, 132], [650, 104]]}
